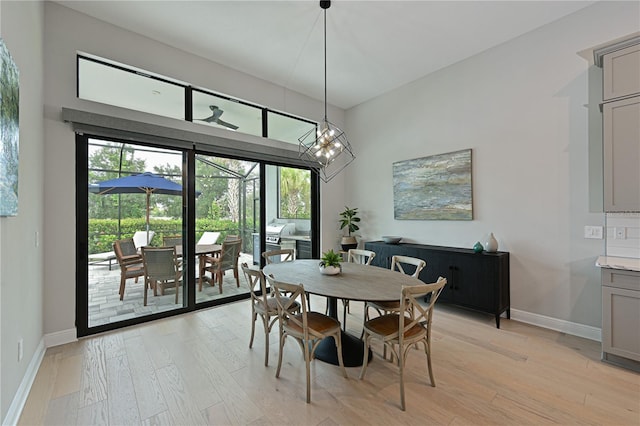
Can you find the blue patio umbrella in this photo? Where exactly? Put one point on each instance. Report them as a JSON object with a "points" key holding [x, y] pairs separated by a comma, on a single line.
{"points": [[143, 183]]}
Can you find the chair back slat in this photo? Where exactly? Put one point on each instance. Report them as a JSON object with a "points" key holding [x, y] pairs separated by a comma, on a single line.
{"points": [[407, 265], [287, 295], [420, 314], [279, 255], [229, 254], [363, 257], [257, 283], [160, 263]]}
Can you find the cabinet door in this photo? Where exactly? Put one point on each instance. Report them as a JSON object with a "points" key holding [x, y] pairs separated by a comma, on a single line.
{"points": [[621, 322], [621, 138], [621, 73]]}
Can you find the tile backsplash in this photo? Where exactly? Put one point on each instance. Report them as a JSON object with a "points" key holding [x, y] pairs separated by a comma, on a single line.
{"points": [[623, 234]]}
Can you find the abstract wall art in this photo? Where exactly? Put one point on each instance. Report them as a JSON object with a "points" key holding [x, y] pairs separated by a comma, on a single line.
{"points": [[9, 136], [437, 187]]}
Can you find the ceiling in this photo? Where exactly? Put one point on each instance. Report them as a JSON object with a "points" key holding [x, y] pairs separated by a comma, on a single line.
{"points": [[372, 46]]}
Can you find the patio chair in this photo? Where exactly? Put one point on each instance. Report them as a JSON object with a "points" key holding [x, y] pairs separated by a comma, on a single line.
{"points": [[130, 262], [140, 238], [208, 237], [161, 267], [172, 241], [217, 265]]}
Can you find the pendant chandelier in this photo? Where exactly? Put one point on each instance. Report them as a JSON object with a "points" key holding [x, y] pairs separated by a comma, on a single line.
{"points": [[326, 148]]}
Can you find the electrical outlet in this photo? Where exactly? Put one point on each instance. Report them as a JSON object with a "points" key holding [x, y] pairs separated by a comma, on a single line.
{"points": [[620, 233], [20, 349]]}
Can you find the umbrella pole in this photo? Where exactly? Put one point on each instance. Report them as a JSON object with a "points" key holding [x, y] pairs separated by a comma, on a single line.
{"points": [[148, 197]]}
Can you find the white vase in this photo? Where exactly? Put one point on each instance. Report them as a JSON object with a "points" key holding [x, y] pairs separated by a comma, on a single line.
{"points": [[492, 244], [329, 270]]}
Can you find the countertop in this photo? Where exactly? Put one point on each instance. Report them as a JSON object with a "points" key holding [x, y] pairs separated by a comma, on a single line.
{"points": [[296, 237], [612, 262]]}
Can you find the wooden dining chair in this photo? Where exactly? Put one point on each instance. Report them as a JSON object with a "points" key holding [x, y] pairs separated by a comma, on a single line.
{"points": [[406, 265], [217, 265], [172, 240], [263, 305], [129, 260], [279, 255], [307, 328], [161, 267], [399, 332], [363, 257]]}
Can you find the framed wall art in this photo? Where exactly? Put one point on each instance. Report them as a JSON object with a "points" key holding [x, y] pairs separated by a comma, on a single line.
{"points": [[437, 187], [9, 137]]}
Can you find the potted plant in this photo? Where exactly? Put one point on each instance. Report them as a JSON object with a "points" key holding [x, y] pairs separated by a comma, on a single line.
{"points": [[349, 219], [330, 263]]}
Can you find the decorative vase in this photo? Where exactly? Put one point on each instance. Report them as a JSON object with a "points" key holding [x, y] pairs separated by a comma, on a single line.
{"points": [[349, 242], [329, 270], [492, 244], [478, 247]]}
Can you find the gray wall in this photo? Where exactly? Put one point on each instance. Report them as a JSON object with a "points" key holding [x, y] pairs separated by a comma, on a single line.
{"points": [[21, 271], [521, 108]]}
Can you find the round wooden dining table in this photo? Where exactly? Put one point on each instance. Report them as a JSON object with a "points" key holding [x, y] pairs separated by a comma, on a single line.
{"points": [[355, 282]]}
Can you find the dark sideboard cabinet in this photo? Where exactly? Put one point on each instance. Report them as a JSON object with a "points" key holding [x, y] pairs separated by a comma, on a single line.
{"points": [[478, 281]]}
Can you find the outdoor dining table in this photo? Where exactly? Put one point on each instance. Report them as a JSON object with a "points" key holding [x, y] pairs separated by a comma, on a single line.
{"points": [[355, 282], [200, 250]]}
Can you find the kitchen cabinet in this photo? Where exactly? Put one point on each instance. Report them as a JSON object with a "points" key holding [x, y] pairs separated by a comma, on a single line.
{"points": [[621, 317], [621, 138], [621, 124], [478, 281], [621, 73], [303, 249]]}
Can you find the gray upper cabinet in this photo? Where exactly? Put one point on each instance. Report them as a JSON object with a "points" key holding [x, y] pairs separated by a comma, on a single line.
{"points": [[621, 73], [621, 125]]}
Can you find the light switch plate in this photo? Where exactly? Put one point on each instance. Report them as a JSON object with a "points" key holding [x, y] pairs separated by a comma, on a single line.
{"points": [[594, 232]]}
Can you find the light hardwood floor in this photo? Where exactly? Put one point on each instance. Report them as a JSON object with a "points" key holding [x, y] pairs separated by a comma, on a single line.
{"points": [[197, 369]]}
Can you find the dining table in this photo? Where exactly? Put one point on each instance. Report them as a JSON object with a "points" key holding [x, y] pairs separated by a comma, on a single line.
{"points": [[357, 282]]}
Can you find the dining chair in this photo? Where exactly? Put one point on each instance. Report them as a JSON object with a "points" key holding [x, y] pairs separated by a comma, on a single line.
{"points": [[283, 255], [130, 262], [279, 255], [363, 257], [161, 267], [217, 265], [264, 305], [405, 265], [172, 241], [232, 237], [399, 331], [308, 328]]}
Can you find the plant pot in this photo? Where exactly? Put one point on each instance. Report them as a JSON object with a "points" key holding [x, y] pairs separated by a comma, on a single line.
{"points": [[329, 270], [349, 243]]}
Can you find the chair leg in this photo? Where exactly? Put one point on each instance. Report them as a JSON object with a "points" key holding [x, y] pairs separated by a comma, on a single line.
{"points": [[265, 320], [307, 362], [427, 349], [282, 337], [401, 356], [177, 286], [338, 340], [144, 290], [365, 358], [122, 283], [254, 317], [219, 277]]}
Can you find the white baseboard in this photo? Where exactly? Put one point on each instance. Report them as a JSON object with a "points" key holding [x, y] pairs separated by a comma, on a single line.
{"points": [[60, 337], [573, 328], [20, 398]]}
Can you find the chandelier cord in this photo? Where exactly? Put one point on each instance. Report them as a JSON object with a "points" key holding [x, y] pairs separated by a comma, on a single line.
{"points": [[325, 64]]}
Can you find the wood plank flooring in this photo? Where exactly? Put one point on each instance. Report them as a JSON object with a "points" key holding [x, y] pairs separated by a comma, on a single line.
{"points": [[197, 369]]}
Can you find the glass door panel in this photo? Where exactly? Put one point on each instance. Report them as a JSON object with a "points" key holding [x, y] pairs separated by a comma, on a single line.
{"points": [[227, 207], [135, 199], [288, 210]]}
